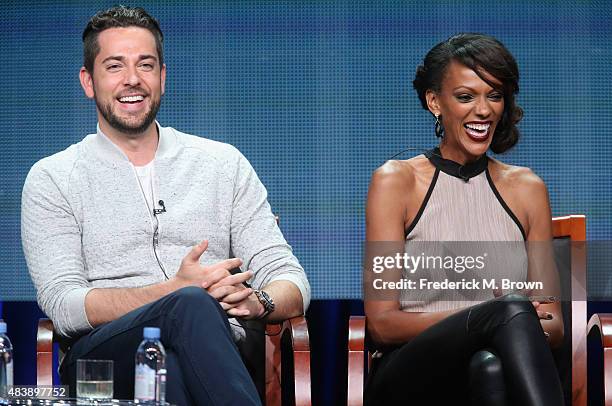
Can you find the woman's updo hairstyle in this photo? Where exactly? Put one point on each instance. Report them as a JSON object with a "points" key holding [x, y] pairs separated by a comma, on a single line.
{"points": [[483, 54]]}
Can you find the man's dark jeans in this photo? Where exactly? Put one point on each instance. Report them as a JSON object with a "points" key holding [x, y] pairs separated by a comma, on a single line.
{"points": [[203, 363]]}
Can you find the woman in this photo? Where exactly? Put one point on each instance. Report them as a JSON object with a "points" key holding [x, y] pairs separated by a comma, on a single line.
{"points": [[439, 351]]}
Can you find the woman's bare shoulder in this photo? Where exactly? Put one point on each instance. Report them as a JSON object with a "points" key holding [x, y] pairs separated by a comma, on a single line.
{"points": [[400, 173], [516, 177]]}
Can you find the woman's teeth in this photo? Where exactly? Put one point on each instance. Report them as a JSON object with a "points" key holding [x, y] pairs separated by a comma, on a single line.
{"points": [[477, 130]]}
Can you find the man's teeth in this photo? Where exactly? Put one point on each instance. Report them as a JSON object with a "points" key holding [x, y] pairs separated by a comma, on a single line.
{"points": [[478, 127], [131, 99]]}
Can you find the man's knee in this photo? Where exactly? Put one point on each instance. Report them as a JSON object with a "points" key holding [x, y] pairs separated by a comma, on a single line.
{"points": [[192, 298]]}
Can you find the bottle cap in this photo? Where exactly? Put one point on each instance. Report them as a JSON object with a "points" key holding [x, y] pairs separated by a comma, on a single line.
{"points": [[2, 327], [151, 333]]}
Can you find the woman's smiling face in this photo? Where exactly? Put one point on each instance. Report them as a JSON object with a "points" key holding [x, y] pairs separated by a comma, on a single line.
{"points": [[470, 110]]}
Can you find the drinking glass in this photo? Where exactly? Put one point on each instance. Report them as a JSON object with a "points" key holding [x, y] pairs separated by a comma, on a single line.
{"points": [[94, 379]]}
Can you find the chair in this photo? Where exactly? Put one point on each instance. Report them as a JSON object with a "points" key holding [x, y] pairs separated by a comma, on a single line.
{"points": [[291, 336], [571, 228], [601, 325]]}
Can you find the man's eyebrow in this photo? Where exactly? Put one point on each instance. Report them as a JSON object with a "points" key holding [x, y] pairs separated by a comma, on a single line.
{"points": [[114, 58], [146, 56], [122, 59]]}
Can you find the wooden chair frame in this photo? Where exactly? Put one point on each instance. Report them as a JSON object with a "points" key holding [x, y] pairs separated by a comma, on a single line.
{"points": [[572, 227], [296, 329], [602, 325]]}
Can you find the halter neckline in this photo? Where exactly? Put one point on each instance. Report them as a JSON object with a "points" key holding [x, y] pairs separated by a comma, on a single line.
{"points": [[465, 172]]}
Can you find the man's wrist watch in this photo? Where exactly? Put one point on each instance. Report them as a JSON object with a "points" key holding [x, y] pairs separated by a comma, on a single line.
{"points": [[266, 301]]}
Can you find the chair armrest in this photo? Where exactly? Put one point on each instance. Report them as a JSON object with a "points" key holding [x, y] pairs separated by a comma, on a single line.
{"points": [[44, 352], [356, 353], [356, 338], [296, 330], [300, 344], [602, 323]]}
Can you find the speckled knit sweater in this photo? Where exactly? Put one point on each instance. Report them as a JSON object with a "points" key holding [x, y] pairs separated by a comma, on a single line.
{"points": [[85, 223]]}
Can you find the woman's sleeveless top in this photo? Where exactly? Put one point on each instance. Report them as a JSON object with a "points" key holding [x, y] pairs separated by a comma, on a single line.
{"points": [[463, 215]]}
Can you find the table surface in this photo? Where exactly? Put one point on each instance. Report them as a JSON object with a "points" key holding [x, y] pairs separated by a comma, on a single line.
{"points": [[70, 401]]}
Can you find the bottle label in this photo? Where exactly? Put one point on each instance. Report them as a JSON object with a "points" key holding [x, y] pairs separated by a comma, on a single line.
{"points": [[161, 385], [9, 373], [144, 382]]}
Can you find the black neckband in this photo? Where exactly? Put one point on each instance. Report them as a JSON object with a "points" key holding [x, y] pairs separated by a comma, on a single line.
{"points": [[452, 168]]}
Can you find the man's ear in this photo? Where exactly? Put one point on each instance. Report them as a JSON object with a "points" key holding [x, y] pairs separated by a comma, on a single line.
{"points": [[432, 102], [86, 82], [163, 79]]}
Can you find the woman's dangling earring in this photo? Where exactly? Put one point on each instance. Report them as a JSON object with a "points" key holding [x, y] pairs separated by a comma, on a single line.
{"points": [[438, 128]]}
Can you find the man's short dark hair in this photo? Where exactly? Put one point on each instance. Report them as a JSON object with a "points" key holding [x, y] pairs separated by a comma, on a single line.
{"points": [[118, 16]]}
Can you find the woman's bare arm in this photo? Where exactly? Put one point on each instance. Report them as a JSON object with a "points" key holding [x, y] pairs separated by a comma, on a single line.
{"points": [[541, 256], [386, 214]]}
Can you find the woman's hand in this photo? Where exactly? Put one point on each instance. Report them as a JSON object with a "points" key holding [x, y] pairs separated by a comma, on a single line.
{"points": [[543, 315], [537, 302]]}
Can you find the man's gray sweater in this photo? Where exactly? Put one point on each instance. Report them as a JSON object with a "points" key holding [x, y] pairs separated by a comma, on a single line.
{"points": [[85, 223]]}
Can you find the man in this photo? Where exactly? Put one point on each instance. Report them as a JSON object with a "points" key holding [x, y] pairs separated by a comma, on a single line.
{"points": [[112, 231]]}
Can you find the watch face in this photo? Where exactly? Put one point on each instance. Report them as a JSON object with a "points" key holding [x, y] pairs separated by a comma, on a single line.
{"points": [[266, 301]]}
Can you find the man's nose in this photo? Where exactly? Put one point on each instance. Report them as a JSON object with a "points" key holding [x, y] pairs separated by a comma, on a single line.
{"points": [[131, 77]]}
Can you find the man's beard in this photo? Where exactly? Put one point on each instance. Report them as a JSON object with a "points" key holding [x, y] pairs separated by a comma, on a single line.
{"points": [[124, 126]]}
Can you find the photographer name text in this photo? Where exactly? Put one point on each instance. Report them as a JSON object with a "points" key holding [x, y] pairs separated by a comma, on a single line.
{"points": [[463, 284]]}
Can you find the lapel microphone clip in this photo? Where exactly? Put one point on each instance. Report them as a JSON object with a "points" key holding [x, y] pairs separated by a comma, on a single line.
{"points": [[162, 210]]}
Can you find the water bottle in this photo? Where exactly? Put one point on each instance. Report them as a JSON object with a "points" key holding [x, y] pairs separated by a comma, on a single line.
{"points": [[150, 378], [6, 364]]}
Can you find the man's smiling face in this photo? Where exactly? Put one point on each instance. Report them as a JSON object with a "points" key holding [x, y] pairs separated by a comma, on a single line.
{"points": [[127, 80]]}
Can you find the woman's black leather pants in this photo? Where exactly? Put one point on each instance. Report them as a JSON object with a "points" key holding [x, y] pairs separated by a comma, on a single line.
{"points": [[493, 353]]}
